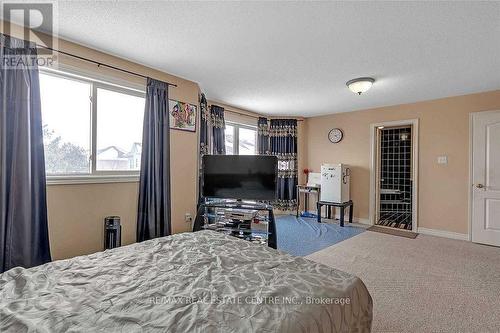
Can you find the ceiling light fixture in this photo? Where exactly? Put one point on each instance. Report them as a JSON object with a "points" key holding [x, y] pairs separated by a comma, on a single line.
{"points": [[360, 85]]}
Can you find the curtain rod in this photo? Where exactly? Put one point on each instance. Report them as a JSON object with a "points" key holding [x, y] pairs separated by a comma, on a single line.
{"points": [[100, 64], [251, 116]]}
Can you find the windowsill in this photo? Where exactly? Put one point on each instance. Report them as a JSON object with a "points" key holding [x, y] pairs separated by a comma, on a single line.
{"points": [[91, 179]]}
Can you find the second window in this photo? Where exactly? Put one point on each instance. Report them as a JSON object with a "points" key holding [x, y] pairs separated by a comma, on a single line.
{"points": [[240, 139]]}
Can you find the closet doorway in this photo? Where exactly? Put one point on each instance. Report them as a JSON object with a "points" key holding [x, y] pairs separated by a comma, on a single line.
{"points": [[394, 172]]}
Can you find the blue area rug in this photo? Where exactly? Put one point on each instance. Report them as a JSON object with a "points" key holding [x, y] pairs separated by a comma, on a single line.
{"points": [[303, 236]]}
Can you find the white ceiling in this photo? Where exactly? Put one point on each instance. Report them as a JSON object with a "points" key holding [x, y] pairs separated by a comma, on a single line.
{"points": [[293, 58]]}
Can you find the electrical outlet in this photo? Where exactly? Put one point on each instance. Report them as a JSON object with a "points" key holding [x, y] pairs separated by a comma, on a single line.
{"points": [[188, 218], [442, 159]]}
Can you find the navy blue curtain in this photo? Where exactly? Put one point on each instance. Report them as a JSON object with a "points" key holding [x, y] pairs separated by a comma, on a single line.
{"points": [[262, 136], [153, 219], [204, 126], [24, 236], [204, 137], [218, 127], [283, 142]]}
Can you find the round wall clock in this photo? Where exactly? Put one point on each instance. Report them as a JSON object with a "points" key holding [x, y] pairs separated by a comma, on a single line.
{"points": [[335, 135]]}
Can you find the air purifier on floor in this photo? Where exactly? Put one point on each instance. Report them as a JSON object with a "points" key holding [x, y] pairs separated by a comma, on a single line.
{"points": [[112, 232]]}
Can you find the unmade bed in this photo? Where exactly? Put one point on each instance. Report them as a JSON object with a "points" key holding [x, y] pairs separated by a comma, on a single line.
{"points": [[190, 282]]}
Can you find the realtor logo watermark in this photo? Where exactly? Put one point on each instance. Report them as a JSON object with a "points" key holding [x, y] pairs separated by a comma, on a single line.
{"points": [[30, 23]]}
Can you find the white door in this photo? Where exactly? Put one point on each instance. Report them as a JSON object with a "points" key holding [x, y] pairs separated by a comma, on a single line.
{"points": [[486, 178]]}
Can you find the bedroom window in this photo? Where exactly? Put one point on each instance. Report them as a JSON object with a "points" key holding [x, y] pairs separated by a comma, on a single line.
{"points": [[240, 139], [91, 130], [119, 130], [66, 114]]}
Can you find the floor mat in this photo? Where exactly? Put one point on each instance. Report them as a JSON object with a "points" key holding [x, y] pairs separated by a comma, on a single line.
{"points": [[398, 220], [393, 231], [303, 236]]}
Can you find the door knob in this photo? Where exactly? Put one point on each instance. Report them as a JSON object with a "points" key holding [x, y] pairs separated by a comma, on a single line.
{"points": [[479, 185]]}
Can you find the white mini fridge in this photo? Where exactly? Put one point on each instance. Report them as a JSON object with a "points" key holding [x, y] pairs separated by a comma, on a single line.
{"points": [[335, 179]]}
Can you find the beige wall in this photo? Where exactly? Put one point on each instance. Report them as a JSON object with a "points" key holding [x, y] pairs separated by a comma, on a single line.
{"points": [[76, 214], [237, 115], [444, 130]]}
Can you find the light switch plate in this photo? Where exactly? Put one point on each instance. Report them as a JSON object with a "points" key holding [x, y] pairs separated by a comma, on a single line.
{"points": [[442, 159]]}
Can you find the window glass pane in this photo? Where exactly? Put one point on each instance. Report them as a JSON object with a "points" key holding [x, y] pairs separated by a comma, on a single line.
{"points": [[119, 130], [229, 139], [247, 138], [66, 110]]}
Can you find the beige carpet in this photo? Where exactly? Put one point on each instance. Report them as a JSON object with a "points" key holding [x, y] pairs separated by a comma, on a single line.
{"points": [[427, 284]]}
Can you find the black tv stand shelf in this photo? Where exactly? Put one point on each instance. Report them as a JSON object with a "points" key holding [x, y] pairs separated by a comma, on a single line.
{"points": [[261, 228]]}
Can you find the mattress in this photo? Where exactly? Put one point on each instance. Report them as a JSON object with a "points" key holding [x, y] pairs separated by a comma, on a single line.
{"points": [[190, 282]]}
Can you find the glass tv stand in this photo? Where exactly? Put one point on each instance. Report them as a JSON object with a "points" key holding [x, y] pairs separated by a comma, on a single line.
{"points": [[248, 220]]}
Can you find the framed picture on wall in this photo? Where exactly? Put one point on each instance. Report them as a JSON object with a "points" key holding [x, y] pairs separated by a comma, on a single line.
{"points": [[182, 115]]}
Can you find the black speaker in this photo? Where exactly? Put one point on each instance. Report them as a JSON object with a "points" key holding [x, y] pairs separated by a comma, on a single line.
{"points": [[112, 232]]}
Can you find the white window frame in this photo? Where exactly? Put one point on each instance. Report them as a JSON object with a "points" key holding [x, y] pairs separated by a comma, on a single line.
{"points": [[236, 135], [95, 176]]}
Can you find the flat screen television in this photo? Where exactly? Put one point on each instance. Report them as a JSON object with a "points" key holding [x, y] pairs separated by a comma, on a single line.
{"points": [[245, 177]]}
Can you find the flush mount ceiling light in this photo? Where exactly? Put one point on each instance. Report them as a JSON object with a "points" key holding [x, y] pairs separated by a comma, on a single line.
{"points": [[360, 85]]}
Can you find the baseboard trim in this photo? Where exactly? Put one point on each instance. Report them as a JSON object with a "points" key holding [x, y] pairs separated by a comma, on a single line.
{"points": [[355, 219], [424, 231], [442, 233]]}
